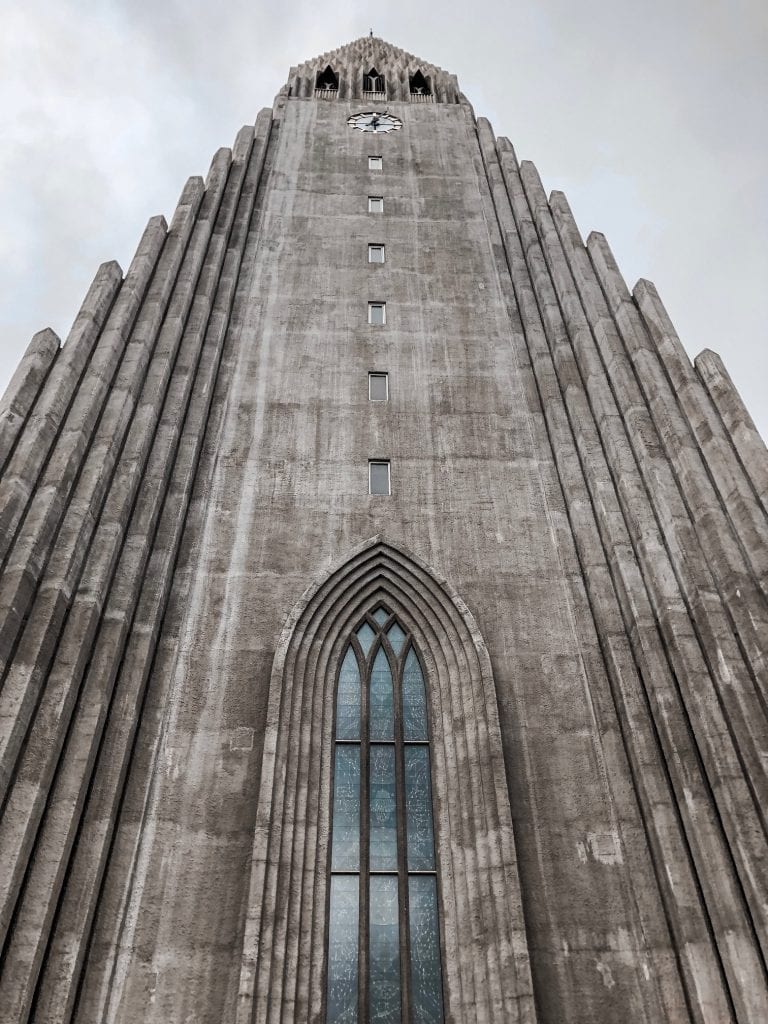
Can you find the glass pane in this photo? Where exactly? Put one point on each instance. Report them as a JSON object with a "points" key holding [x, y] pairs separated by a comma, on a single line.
{"points": [[365, 635], [375, 253], [377, 387], [342, 949], [396, 637], [375, 204], [383, 809], [376, 313], [381, 615], [345, 845], [382, 705], [348, 699], [374, 163], [426, 982], [384, 984], [418, 810], [414, 698], [379, 477]]}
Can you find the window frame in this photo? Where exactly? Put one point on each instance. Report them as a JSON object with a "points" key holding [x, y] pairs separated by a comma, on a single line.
{"points": [[377, 304], [380, 462], [375, 167], [380, 247], [402, 873], [377, 374], [375, 199]]}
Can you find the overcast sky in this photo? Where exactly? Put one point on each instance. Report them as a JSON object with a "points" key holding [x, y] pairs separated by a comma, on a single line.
{"points": [[651, 117]]}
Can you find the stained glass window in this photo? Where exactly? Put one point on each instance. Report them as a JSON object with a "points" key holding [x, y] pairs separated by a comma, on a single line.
{"points": [[342, 950], [426, 980], [383, 891], [348, 699], [381, 615], [382, 705]]}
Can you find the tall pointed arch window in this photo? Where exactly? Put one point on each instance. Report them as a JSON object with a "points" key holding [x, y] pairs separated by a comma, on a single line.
{"points": [[383, 935]]}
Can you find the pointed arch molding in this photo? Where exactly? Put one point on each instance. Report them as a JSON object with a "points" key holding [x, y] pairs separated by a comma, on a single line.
{"points": [[485, 956]]}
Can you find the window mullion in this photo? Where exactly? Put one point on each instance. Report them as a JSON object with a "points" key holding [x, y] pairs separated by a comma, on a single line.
{"points": [[365, 833], [402, 850]]}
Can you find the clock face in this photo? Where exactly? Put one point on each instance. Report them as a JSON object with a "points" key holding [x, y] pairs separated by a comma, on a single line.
{"points": [[373, 122]]}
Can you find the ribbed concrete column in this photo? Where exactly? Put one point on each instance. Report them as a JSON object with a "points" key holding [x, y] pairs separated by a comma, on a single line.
{"points": [[743, 433], [27, 673], [715, 553], [698, 962], [63, 474], [21, 473], [38, 533], [34, 914], [727, 717], [61, 973], [693, 796], [720, 558], [23, 389], [736, 495], [84, 892], [48, 731]]}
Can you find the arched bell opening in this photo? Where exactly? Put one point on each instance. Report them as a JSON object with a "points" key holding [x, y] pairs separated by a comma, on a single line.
{"points": [[419, 85], [374, 85], [327, 82]]}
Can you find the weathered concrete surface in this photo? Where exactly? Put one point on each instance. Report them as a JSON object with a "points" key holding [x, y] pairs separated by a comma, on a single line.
{"points": [[24, 387], [599, 786], [746, 440]]}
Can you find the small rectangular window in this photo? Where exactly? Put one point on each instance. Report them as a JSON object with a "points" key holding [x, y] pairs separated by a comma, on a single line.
{"points": [[378, 477], [378, 387], [375, 253], [375, 163], [375, 204], [377, 313]]}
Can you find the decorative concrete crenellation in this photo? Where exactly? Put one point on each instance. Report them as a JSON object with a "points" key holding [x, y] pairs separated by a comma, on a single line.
{"points": [[351, 63], [577, 539]]}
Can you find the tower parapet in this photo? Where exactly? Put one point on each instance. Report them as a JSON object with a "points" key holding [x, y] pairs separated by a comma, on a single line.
{"points": [[372, 69]]}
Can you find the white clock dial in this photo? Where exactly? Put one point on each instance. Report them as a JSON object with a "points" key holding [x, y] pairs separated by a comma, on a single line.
{"points": [[370, 121]]}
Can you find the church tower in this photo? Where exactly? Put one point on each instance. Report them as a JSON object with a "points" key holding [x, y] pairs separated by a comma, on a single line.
{"points": [[383, 606]]}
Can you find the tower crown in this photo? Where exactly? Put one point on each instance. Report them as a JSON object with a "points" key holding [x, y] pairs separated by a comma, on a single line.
{"points": [[370, 68]]}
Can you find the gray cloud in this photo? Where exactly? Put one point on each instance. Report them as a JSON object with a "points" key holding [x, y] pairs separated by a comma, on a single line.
{"points": [[649, 117]]}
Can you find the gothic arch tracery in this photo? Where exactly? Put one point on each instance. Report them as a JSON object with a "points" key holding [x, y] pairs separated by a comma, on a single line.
{"points": [[485, 959]]}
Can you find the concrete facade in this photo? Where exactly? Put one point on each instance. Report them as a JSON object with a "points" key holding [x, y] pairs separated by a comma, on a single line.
{"points": [[577, 532]]}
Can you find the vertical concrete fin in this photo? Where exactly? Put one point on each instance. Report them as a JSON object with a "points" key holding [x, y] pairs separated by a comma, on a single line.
{"points": [[38, 531], [714, 557], [722, 702], [83, 563], [83, 896], [744, 436], [601, 547], [712, 553], [77, 696], [44, 422], [737, 498], [582, 348], [76, 480], [23, 389]]}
